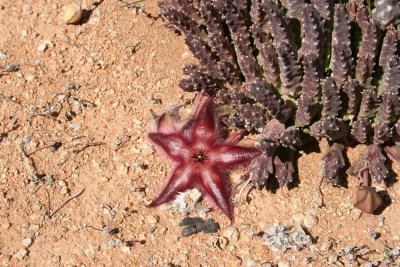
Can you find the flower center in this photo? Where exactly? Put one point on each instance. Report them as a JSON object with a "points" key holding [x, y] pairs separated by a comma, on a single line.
{"points": [[199, 157]]}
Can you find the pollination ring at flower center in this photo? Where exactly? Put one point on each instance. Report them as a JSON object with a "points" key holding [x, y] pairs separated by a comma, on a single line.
{"points": [[199, 157]]}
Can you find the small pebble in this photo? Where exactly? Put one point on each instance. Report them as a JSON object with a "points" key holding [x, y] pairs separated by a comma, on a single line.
{"points": [[30, 77], [282, 263], [374, 235], [152, 219], [185, 55], [147, 150], [56, 259], [26, 139], [44, 45], [73, 14], [11, 67], [252, 263], [310, 221], [298, 219], [232, 234], [326, 245], [5, 225], [396, 252], [6, 260], [62, 183], [380, 218], [64, 191], [220, 242], [33, 228], [73, 86], [3, 55], [126, 249], [21, 254], [27, 242], [122, 170]]}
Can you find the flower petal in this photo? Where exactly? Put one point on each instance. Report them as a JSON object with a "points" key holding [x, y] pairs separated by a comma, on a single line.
{"points": [[204, 123], [173, 145], [229, 156], [181, 180], [215, 185]]}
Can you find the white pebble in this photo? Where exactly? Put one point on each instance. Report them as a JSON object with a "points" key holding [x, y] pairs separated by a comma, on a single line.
{"points": [[21, 254], [310, 221], [27, 242], [73, 14]]}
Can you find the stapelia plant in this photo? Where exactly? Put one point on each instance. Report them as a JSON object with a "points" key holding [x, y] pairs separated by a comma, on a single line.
{"points": [[295, 70], [200, 157]]}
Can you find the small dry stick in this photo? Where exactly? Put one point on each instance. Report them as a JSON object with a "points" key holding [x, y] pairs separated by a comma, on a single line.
{"points": [[29, 164], [139, 8], [320, 194], [66, 202], [11, 99], [79, 150]]}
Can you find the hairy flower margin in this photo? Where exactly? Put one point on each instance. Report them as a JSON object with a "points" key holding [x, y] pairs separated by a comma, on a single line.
{"points": [[293, 71]]}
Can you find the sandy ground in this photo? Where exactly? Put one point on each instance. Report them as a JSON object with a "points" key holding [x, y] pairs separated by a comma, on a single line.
{"points": [[91, 139]]}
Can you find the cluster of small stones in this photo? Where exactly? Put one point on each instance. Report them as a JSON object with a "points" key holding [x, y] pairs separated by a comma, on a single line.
{"points": [[296, 72]]}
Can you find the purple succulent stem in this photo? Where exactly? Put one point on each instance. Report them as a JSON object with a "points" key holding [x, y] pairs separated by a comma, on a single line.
{"points": [[241, 5], [351, 7], [290, 71], [240, 38], [295, 9], [275, 105], [331, 103], [312, 41], [391, 77], [389, 47], [352, 90], [203, 53], [277, 21], [267, 57], [218, 42], [257, 13], [362, 17], [324, 7], [367, 55], [342, 60]]}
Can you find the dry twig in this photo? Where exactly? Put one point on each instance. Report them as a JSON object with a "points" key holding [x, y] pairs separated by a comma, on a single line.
{"points": [[66, 202]]}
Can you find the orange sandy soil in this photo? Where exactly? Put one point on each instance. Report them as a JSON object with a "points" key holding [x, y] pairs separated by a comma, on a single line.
{"points": [[126, 64]]}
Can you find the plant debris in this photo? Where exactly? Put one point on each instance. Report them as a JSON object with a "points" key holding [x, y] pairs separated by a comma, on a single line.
{"points": [[194, 225], [282, 238]]}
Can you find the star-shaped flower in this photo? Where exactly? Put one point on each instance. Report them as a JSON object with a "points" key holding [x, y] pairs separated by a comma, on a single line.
{"points": [[200, 157]]}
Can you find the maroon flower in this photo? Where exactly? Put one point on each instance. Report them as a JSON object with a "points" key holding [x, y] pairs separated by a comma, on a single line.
{"points": [[200, 157]]}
